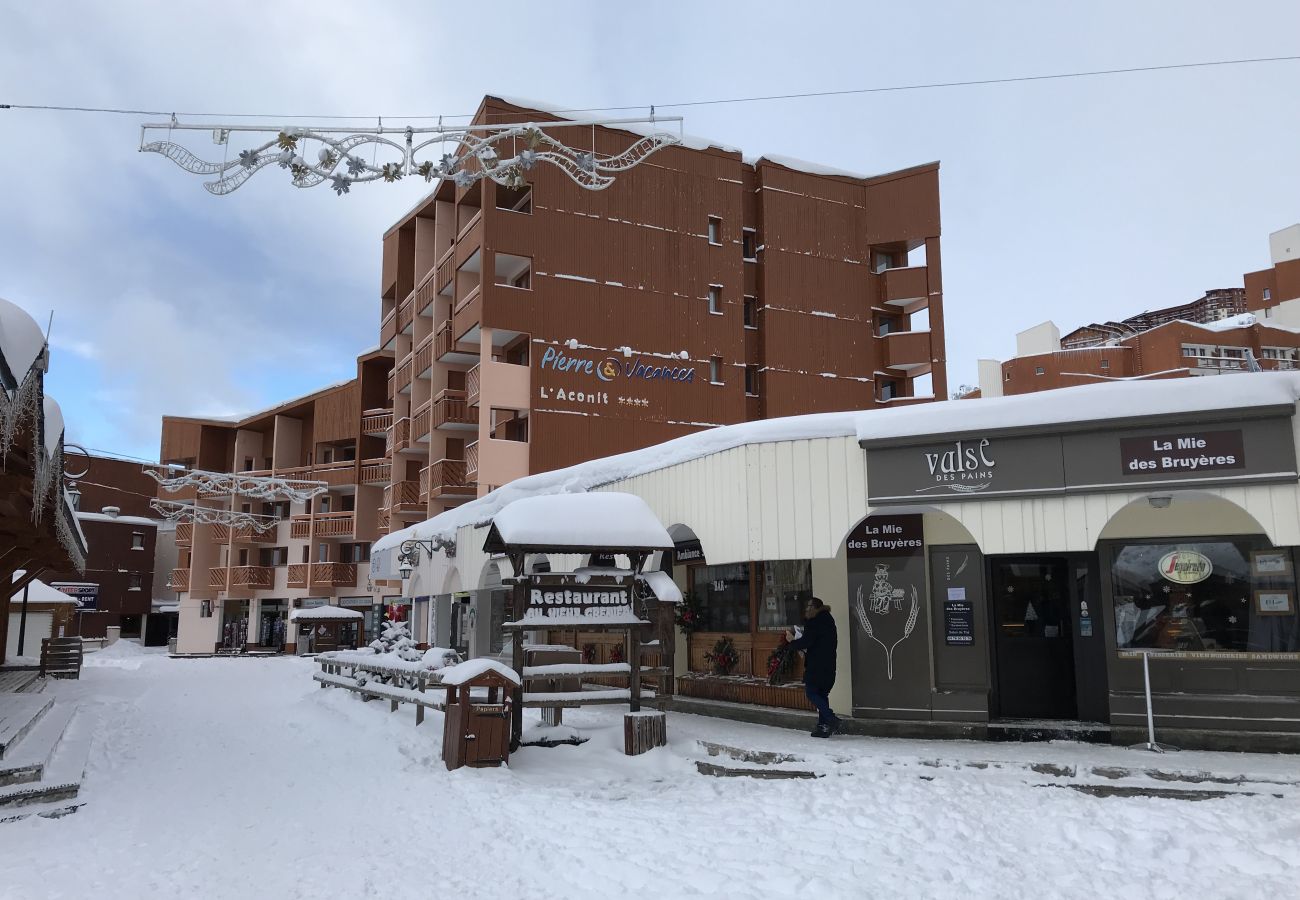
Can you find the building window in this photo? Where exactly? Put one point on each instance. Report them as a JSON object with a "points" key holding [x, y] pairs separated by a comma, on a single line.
{"points": [[323, 553], [881, 260], [1006, 376], [1217, 595], [751, 380], [751, 312], [715, 299], [306, 553], [715, 369], [715, 230], [1268, 294], [134, 582], [1038, 370], [723, 595], [889, 390], [1105, 364], [137, 540], [749, 244], [248, 463]]}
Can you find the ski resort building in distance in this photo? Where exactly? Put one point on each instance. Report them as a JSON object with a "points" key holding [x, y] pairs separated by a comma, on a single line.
{"points": [[524, 330]]}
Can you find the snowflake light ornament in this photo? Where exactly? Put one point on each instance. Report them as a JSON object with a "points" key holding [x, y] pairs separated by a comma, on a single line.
{"points": [[340, 184]]}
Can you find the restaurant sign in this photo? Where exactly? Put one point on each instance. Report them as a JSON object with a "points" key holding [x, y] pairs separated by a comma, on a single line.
{"points": [[1185, 567], [574, 604]]}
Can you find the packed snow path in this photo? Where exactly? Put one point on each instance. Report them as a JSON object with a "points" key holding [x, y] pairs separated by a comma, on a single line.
{"points": [[241, 778]]}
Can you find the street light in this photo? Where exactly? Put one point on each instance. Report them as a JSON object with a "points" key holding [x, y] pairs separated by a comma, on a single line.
{"points": [[408, 555]]}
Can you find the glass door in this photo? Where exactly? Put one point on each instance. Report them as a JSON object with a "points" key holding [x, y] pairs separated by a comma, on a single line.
{"points": [[1033, 638]]}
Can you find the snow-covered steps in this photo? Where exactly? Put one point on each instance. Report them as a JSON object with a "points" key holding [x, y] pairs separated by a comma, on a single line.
{"points": [[19, 713], [65, 744], [27, 760], [18, 681], [740, 763]]}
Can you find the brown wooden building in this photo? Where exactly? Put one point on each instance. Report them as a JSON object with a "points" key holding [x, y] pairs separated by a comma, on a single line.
{"points": [[535, 328]]}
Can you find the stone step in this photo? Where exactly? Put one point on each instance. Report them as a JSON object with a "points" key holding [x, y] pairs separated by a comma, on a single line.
{"points": [[27, 761], [62, 775], [19, 713]]}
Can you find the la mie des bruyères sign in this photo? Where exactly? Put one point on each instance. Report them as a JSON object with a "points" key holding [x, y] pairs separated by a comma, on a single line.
{"points": [[1023, 465]]}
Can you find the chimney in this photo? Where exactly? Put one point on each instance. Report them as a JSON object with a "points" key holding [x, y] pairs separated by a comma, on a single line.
{"points": [[112, 511]]}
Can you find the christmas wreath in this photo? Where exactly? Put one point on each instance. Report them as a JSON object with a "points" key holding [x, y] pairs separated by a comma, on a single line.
{"points": [[723, 657], [780, 662], [688, 612], [616, 653], [589, 654]]}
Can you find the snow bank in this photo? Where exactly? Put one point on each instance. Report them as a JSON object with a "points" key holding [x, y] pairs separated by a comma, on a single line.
{"points": [[324, 614], [467, 671], [582, 520]]}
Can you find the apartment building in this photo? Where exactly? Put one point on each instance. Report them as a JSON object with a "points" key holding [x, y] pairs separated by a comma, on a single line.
{"points": [[1280, 283], [1215, 306], [535, 328], [236, 585]]}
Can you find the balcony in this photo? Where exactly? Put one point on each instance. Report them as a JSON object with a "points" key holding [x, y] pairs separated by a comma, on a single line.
{"points": [[300, 527], [406, 313], [217, 578], [445, 479], [399, 437], [374, 422], [905, 350], [446, 349], [221, 534], [179, 580], [388, 328], [297, 575], [906, 288], [390, 387], [446, 271], [425, 292], [473, 383], [1220, 364], [452, 412], [333, 574], [403, 497], [334, 524], [247, 534], [335, 474], [184, 534], [402, 375], [471, 462], [375, 471], [420, 423], [252, 577], [468, 311], [423, 357]]}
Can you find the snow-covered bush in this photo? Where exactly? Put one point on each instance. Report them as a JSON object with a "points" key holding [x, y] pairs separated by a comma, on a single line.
{"points": [[396, 639]]}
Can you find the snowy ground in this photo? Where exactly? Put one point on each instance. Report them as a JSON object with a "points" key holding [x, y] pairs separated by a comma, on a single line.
{"points": [[240, 778]]}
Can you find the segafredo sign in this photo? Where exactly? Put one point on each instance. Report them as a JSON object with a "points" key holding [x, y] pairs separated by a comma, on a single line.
{"points": [[1185, 567]]}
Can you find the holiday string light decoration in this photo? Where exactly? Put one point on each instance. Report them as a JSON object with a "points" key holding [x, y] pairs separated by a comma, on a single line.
{"points": [[314, 155], [213, 515], [258, 487]]}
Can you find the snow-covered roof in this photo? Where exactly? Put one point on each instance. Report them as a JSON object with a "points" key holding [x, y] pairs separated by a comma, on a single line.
{"points": [[53, 425], [324, 614], [471, 669], [1093, 402], [21, 339], [663, 585], [812, 168], [126, 520], [581, 521], [40, 592]]}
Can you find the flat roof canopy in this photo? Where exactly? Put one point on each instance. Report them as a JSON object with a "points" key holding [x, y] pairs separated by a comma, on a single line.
{"points": [[603, 521]]}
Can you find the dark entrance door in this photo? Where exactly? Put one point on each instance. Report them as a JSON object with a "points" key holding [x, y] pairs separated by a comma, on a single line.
{"points": [[1033, 639]]}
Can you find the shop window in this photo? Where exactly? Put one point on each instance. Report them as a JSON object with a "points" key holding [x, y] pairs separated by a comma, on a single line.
{"points": [[751, 380], [751, 312], [715, 299], [749, 245], [715, 230], [137, 540], [1215, 595], [723, 594], [715, 369], [785, 586]]}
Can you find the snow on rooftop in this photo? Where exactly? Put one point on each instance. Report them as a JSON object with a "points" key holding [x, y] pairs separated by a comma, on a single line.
{"points": [[324, 613], [40, 592], [125, 520], [812, 168], [53, 425], [582, 520], [663, 586], [21, 339], [471, 669], [1093, 402]]}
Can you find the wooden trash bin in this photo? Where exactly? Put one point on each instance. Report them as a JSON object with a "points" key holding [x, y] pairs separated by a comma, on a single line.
{"points": [[476, 727]]}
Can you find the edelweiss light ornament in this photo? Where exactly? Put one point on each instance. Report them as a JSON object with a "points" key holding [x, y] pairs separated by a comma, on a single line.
{"points": [[258, 487], [314, 155], [211, 515]]}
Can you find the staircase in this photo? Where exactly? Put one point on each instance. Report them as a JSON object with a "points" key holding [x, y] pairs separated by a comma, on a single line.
{"points": [[43, 753]]}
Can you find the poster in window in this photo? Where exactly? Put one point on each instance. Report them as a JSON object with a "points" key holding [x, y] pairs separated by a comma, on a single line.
{"points": [[1270, 563], [1274, 603]]}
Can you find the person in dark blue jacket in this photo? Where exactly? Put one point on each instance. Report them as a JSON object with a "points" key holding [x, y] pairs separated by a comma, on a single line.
{"points": [[818, 642]]}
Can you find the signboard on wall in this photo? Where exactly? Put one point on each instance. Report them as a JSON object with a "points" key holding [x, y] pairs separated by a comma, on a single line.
{"points": [[976, 467], [596, 382], [85, 593], [567, 605]]}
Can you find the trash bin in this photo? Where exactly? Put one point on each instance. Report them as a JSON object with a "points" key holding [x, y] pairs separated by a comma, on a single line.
{"points": [[476, 727]]}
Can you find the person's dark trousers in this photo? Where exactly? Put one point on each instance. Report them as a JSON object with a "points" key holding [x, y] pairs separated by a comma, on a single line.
{"points": [[822, 702]]}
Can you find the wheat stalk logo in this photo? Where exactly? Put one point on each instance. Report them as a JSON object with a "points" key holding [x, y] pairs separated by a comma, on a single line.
{"points": [[910, 625]]}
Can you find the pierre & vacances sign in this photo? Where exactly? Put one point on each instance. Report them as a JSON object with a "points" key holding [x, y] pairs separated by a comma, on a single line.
{"points": [[972, 467], [586, 379]]}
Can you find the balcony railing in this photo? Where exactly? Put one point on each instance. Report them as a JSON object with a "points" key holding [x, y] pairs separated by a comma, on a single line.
{"points": [[471, 462], [1230, 363], [406, 313], [420, 422], [334, 574], [425, 292], [446, 269], [252, 577], [450, 410], [297, 575], [402, 496], [247, 534], [399, 438], [334, 524], [180, 579], [300, 527], [335, 474], [221, 534], [905, 349], [375, 471], [473, 379], [423, 357], [217, 579], [376, 421], [907, 288], [402, 378], [184, 533], [443, 342], [446, 478], [388, 328]]}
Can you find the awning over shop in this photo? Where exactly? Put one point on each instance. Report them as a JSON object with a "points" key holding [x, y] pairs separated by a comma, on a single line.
{"points": [[325, 614]]}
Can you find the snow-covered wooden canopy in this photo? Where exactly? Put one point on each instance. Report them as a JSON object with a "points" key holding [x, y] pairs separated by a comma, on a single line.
{"points": [[325, 614], [588, 523]]}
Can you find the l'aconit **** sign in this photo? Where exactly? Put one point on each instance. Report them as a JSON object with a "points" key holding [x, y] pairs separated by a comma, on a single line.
{"points": [[1024, 464], [591, 381], [1185, 567]]}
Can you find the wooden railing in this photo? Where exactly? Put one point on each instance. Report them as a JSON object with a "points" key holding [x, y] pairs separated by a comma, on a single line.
{"points": [[420, 422], [297, 575], [443, 342], [221, 534], [252, 577], [446, 477], [184, 533], [335, 473], [334, 524], [300, 527], [217, 579], [376, 422], [471, 462], [400, 436], [402, 378], [424, 484], [423, 357], [180, 579], [473, 380], [446, 269], [406, 312], [450, 408], [334, 574], [402, 493], [247, 534], [375, 471], [388, 328]]}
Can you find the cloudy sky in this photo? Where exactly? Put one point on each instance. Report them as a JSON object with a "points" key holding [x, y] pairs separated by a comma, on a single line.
{"points": [[1072, 200]]}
